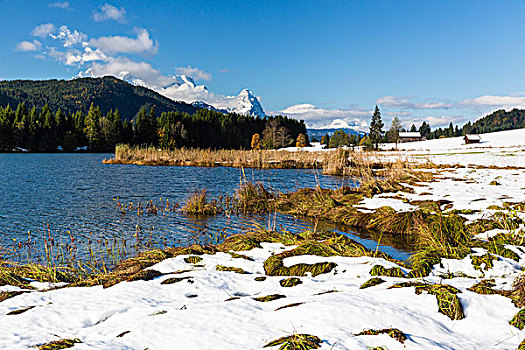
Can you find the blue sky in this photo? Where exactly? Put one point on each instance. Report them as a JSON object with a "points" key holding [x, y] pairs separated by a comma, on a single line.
{"points": [[318, 60]]}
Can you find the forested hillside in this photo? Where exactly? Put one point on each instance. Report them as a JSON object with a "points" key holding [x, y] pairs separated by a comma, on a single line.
{"points": [[498, 121], [46, 129], [75, 95]]}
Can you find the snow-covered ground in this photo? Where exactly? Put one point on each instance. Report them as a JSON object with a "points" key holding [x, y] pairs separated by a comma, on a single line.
{"points": [[194, 313], [501, 149], [473, 186]]}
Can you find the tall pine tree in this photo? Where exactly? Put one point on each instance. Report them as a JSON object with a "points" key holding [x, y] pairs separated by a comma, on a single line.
{"points": [[376, 128]]}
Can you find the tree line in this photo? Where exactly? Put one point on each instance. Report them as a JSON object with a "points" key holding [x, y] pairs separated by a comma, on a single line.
{"points": [[496, 121], [46, 130]]}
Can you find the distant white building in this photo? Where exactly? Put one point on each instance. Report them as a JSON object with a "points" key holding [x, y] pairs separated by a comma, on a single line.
{"points": [[472, 138], [410, 137]]}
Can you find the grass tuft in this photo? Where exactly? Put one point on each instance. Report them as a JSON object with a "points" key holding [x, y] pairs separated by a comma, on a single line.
{"points": [[193, 259], [287, 306], [379, 270], [198, 203], [60, 344], [145, 275], [372, 282], [230, 269], [518, 320], [7, 295], [172, 280], [20, 311], [486, 260], [290, 282], [270, 297], [296, 342], [485, 287], [447, 300], [254, 198], [392, 332]]}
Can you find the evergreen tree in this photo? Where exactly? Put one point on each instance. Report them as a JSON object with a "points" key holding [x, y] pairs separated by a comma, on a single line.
{"points": [[339, 139], [92, 126], [393, 132], [376, 128], [424, 130]]}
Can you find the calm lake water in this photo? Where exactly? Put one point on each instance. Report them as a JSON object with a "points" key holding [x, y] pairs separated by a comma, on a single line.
{"points": [[70, 200]]}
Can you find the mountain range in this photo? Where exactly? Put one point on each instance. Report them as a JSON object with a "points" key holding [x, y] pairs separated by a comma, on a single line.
{"points": [[128, 96], [78, 94], [184, 88]]}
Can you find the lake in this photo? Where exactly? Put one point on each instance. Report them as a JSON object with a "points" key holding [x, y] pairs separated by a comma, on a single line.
{"points": [[70, 202]]}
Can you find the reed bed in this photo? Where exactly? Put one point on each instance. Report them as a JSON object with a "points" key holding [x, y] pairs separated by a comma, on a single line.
{"points": [[333, 162]]}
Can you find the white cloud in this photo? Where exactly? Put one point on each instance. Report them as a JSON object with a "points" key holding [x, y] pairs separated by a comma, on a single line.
{"points": [[405, 103], [109, 12], [504, 102], [316, 117], [89, 55], [175, 87], [194, 72], [60, 4], [121, 44], [70, 38], [434, 121], [43, 30], [28, 46], [124, 68]]}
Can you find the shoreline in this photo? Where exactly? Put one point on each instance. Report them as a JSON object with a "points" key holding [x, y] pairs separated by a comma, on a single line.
{"points": [[464, 284]]}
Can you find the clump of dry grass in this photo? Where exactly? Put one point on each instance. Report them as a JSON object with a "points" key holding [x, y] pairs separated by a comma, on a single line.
{"points": [[290, 282], [438, 236], [446, 296], [253, 198], [230, 269], [362, 165], [60, 344], [372, 282], [392, 332], [173, 280], [192, 259], [484, 287], [145, 275], [379, 270], [483, 262], [296, 342], [21, 310], [270, 297], [518, 320], [199, 203], [20, 275], [325, 245], [518, 291]]}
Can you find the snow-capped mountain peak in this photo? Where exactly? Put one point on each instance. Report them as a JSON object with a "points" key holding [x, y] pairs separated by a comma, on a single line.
{"points": [[182, 80], [244, 103], [184, 88]]}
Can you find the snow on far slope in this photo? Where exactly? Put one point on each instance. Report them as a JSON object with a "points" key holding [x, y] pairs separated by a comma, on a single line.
{"points": [[507, 138], [502, 148]]}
